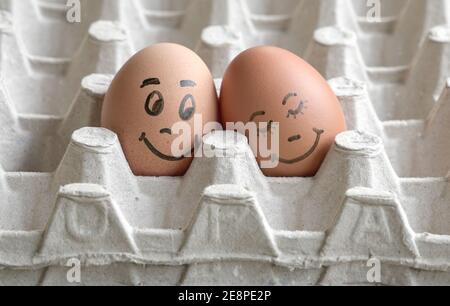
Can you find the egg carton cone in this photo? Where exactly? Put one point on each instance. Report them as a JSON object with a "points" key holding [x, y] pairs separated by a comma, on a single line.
{"points": [[376, 212]]}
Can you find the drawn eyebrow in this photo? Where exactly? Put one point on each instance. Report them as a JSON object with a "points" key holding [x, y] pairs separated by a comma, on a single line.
{"points": [[187, 83], [151, 81], [288, 96], [256, 114]]}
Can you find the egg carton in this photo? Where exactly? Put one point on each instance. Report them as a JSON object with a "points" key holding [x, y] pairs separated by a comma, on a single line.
{"points": [[381, 196]]}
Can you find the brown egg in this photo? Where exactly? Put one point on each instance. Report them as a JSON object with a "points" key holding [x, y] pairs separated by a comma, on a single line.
{"points": [[269, 84], [161, 85]]}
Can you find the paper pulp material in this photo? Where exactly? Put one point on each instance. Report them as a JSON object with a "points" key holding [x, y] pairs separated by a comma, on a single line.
{"points": [[379, 206]]}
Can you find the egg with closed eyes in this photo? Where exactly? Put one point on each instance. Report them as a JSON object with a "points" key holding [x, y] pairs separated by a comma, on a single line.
{"points": [[272, 87], [159, 87]]}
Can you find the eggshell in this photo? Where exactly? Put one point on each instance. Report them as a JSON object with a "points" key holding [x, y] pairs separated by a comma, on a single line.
{"points": [[156, 88], [286, 89]]}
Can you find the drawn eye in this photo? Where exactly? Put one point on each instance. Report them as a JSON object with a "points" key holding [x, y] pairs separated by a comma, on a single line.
{"points": [[187, 108], [301, 107], [154, 104], [289, 96]]}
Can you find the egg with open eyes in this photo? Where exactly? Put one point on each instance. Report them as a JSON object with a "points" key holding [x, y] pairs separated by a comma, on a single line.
{"points": [[271, 87], [157, 88]]}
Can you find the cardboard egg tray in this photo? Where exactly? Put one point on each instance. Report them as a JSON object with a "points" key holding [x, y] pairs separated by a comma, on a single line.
{"points": [[380, 200]]}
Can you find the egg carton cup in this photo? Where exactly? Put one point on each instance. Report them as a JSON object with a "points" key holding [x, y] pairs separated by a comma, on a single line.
{"points": [[392, 53], [67, 192], [41, 87], [224, 222]]}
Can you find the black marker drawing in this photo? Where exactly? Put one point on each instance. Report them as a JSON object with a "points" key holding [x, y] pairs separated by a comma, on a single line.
{"points": [[256, 114], [151, 81], [269, 124], [154, 106], [299, 110], [155, 151], [187, 113], [157, 107], [161, 155], [166, 131], [267, 130], [187, 83], [307, 154], [288, 96], [294, 138]]}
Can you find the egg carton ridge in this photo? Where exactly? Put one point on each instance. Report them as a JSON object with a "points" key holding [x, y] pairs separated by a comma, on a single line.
{"points": [[382, 195], [229, 222]]}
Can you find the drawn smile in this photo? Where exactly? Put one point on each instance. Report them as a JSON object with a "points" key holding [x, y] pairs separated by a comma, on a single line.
{"points": [[307, 154], [161, 155]]}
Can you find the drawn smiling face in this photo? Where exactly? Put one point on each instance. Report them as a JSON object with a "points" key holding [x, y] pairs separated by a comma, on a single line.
{"points": [[154, 107], [293, 114], [270, 85], [157, 88], [297, 144]]}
